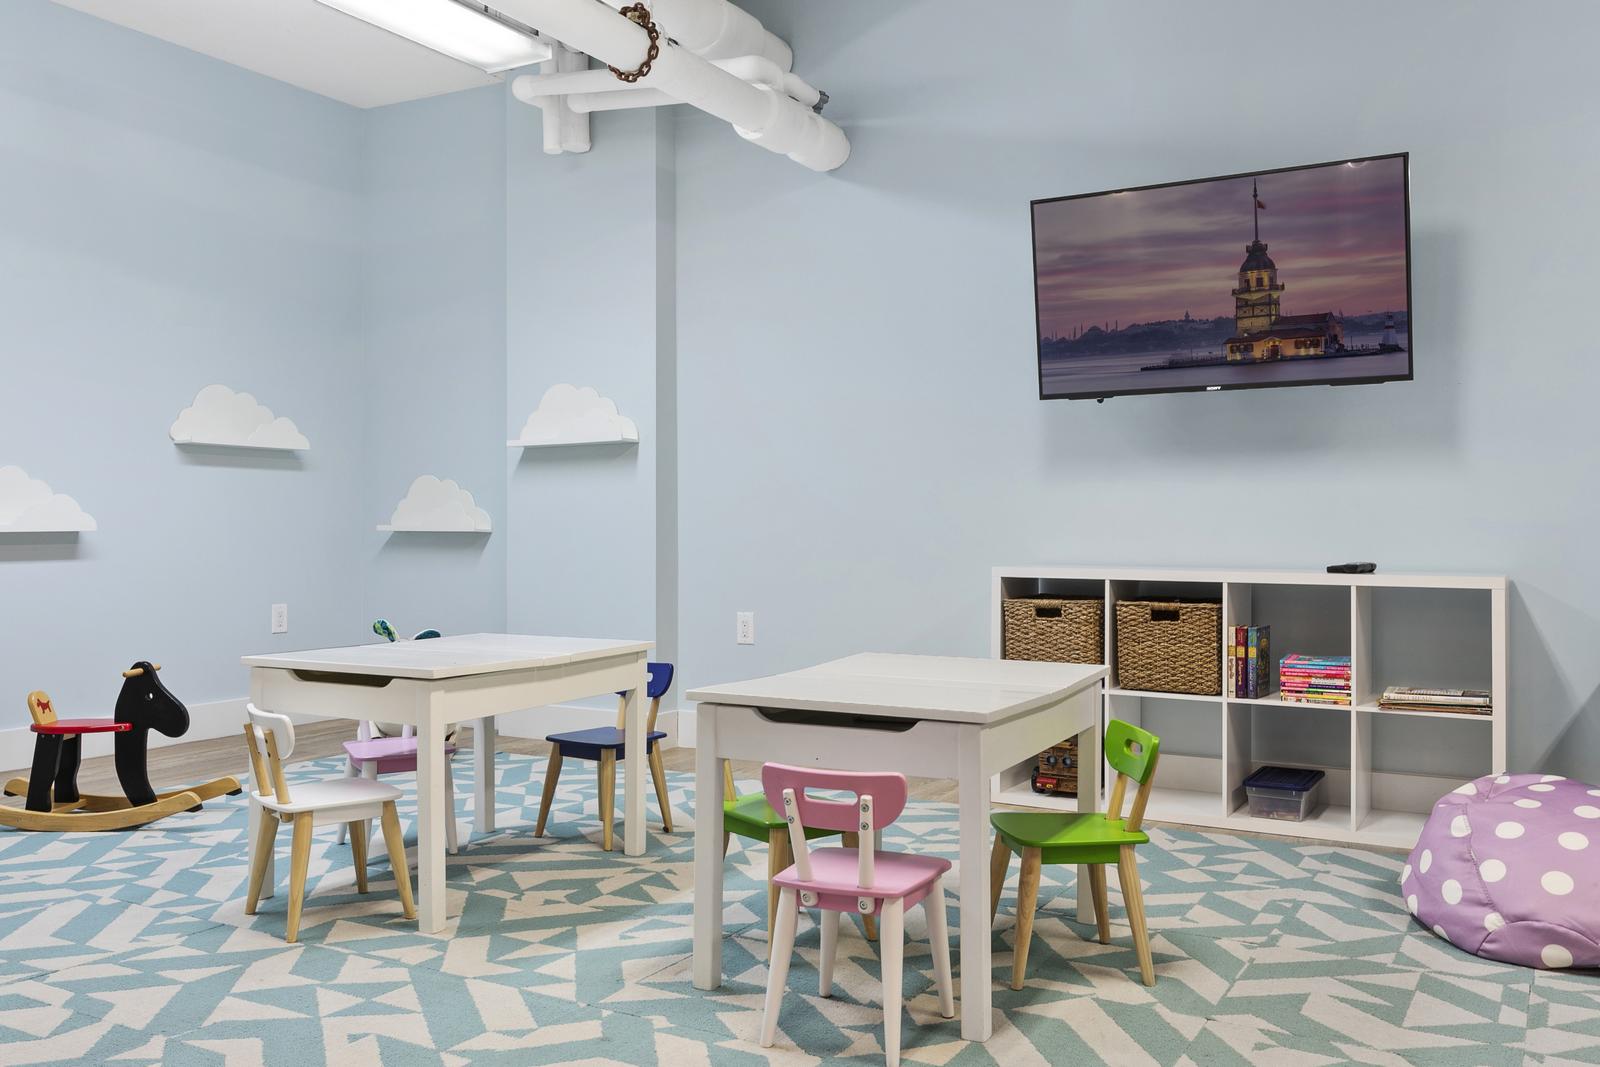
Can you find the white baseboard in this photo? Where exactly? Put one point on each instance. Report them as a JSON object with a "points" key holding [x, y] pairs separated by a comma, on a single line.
{"points": [[220, 718]]}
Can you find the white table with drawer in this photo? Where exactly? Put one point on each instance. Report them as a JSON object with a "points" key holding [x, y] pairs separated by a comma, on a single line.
{"points": [[924, 716], [468, 678]]}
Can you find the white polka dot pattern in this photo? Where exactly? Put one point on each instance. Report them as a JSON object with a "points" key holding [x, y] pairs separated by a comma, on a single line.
{"points": [[1508, 869], [1555, 956], [1557, 883]]}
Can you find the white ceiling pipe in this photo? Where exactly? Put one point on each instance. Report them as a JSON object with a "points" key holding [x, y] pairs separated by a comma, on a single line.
{"points": [[770, 119], [755, 69], [583, 103], [574, 126], [760, 70], [716, 29], [549, 105], [528, 87]]}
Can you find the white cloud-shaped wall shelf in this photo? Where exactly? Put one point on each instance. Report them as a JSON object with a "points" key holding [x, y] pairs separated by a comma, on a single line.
{"points": [[220, 416], [433, 505], [569, 415], [28, 505]]}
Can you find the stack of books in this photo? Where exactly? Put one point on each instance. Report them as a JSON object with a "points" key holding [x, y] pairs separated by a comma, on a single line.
{"points": [[1249, 665], [1458, 701], [1314, 680]]}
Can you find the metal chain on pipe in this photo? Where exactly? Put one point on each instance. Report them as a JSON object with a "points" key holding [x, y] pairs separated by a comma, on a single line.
{"points": [[640, 15]]}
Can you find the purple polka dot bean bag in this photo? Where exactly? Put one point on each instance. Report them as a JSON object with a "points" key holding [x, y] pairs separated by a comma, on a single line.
{"points": [[1508, 868]]}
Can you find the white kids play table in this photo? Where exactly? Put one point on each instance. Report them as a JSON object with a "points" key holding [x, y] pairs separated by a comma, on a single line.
{"points": [[434, 683], [925, 716]]}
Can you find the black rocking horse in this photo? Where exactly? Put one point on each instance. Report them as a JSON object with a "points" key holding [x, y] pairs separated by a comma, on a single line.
{"points": [[54, 802]]}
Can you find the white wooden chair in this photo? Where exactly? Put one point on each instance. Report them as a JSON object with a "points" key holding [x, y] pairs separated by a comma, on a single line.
{"points": [[348, 801]]}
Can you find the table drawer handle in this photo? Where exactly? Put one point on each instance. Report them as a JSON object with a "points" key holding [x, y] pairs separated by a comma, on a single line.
{"points": [[371, 681], [845, 719]]}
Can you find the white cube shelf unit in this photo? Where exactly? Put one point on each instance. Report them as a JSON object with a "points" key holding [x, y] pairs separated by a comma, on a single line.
{"points": [[1398, 629]]}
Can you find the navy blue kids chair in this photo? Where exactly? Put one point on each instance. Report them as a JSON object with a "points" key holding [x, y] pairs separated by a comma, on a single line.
{"points": [[606, 745]]}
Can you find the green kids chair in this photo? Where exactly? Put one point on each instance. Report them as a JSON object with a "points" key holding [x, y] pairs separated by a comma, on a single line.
{"points": [[1090, 838], [751, 817]]}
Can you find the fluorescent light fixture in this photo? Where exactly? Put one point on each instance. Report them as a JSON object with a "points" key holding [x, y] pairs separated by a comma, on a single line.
{"points": [[463, 30]]}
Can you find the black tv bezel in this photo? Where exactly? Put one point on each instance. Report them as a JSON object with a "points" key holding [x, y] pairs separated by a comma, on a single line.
{"points": [[1409, 375]]}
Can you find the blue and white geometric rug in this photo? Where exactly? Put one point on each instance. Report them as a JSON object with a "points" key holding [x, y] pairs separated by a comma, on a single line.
{"points": [[133, 948]]}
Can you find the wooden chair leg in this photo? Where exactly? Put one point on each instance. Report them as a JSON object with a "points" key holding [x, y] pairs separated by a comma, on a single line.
{"points": [[358, 851], [608, 795], [892, 952], [939, 942], [779, 857], [369, 771], [658, 771], [1133, 899], [1102, 903], [828, 923], [396, 843], [450, 828], [869, 923], [299, 861], [1027, 901], [552, 771], [999, 862], [727, 837], [350, 771], [266, 841], [788, 910]]}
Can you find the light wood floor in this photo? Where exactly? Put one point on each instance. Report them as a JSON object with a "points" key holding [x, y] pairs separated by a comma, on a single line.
{"points": [[196, 761]]}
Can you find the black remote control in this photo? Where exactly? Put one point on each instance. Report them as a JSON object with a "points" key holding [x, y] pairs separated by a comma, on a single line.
{"points": [[1352, 568]]}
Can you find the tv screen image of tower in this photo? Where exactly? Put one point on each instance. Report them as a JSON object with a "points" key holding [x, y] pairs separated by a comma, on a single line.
{"points": [[1287, 277]]}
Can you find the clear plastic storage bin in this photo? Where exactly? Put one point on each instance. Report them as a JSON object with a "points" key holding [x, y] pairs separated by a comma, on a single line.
{"points": [[1287, 793]]}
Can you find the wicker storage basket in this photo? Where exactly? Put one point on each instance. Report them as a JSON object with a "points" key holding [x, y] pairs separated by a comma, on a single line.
{"points": [[1061, 629], [1170, 646]]}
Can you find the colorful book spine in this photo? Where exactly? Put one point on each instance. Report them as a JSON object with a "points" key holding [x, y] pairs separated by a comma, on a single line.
{"points": [[1252, 656], [1263, 677], [1238, 660]]}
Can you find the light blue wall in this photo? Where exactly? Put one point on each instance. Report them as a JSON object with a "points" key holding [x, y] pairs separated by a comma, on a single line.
{"points": [[860, 436], [582, 307], [170, 222], [436, 353]]}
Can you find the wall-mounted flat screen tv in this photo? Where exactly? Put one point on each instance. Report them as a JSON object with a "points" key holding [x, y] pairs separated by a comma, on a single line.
{"points": [[1297, 276]]}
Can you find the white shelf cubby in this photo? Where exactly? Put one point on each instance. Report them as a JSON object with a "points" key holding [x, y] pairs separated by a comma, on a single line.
{"points": [[1398, 629]]}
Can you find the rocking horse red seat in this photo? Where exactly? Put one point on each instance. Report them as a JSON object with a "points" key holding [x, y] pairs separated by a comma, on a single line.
{"points": [[54, 802]]}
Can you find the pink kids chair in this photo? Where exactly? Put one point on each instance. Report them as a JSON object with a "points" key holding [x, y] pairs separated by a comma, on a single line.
{"points": [[370, 755], [860, 880]]}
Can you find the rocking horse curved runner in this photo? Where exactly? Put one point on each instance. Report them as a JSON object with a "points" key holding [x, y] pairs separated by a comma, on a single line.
{"points": [[54, 802]]}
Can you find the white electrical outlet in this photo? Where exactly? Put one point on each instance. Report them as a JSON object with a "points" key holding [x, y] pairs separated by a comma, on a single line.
{"points": [[746, 628], [280, 618]]}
